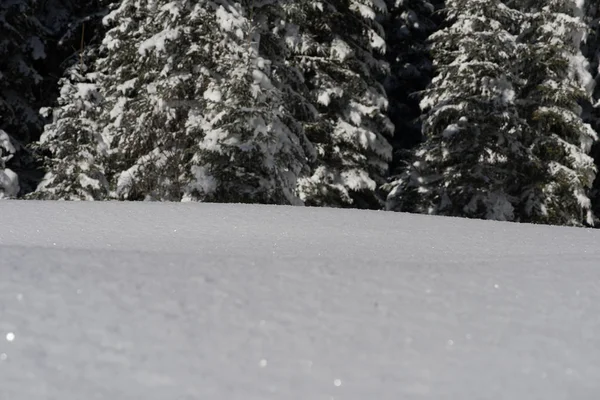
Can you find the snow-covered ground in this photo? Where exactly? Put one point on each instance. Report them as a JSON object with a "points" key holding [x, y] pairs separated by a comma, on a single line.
{"points": [[198, 301]]}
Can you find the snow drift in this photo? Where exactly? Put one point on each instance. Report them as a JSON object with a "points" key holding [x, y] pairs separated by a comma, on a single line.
{"points": [[199, 301]]}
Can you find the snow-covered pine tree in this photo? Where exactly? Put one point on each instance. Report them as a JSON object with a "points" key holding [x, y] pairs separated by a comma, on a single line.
{"points": [[76, 155], [32, 52], [186, 109], [407, 27], [71, 148], [469, 164], [252, 143], [591, 113], [9, 181], [22, 38], [337, 47], [557, 82]]}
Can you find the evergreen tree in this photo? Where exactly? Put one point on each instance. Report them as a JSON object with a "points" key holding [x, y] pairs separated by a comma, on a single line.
{"points": [[409, 24], [36, 38], [591, 109], [76, 154], [22, 47], [557, 83], [472, 160], [9, 181], [182, 106], [70, 138], [337, 48]]}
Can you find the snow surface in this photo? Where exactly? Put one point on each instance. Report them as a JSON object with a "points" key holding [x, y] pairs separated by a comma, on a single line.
{"points": [[199, 301]]}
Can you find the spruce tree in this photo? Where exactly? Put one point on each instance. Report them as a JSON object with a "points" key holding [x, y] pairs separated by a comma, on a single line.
{"points": [[37, 39], [407, 27], [70, 140], [557, 84], [337, 48], [471, 161], [9, 181], [591, 109], [22, 49], [182, 106], [75, 153]]}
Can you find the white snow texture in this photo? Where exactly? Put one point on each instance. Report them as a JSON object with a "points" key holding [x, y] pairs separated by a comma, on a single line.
{"points": [[200, 301], [9, 182]]}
